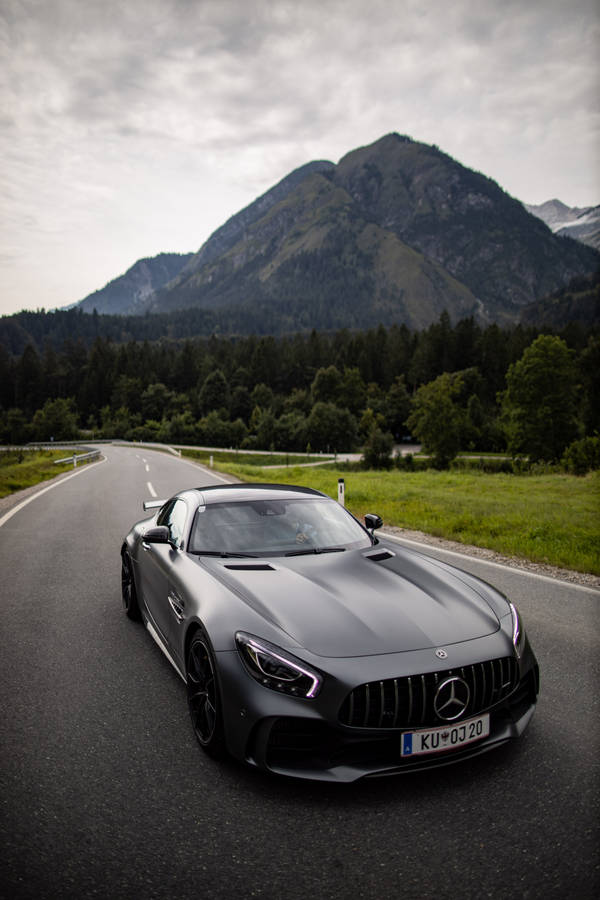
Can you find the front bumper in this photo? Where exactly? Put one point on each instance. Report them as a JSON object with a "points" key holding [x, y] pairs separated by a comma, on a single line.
{"points": [[305, 739]]}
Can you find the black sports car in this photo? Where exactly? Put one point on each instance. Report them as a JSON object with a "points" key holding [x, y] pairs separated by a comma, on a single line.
{"points": [[311, 648]]}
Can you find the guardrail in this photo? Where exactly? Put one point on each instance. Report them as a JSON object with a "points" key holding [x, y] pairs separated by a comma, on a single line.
{"points": [[75, 459]]}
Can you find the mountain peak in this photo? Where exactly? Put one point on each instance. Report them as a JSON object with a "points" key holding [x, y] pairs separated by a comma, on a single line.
{"points": [[396, 232], [580, 223]]}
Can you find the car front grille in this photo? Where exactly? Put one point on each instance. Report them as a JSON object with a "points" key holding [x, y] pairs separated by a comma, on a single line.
{"points": [[409, 701]]}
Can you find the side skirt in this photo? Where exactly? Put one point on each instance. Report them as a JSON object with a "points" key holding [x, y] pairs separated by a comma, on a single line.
{"points": [[159, 642]]}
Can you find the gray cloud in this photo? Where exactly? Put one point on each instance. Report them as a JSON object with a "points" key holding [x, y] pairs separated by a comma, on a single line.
{"points": [[130, 129]]}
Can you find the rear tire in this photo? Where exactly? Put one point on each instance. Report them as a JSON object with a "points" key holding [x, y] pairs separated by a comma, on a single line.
{"points": [[128, 591], [204, 701]]}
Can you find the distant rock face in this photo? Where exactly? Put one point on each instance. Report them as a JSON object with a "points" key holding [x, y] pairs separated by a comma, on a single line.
{"points": [[396, 232], [582, 224], [463, 221], [128, 294]]}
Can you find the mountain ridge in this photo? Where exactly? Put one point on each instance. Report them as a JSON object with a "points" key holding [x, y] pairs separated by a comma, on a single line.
{"points": [[395, 233], [580, 223], [127, 294]]}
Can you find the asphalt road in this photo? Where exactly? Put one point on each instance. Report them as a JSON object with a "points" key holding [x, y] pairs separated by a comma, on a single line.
{"points": [[105, 794]]}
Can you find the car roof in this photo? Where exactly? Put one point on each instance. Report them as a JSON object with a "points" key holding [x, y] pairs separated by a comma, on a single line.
{"points": [[220, 493]]}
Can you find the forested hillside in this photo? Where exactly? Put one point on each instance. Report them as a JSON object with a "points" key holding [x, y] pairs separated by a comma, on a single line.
{"points": [[323, 391]]}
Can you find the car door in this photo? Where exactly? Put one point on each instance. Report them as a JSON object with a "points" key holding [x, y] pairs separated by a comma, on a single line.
{"points": [[163, 601]]}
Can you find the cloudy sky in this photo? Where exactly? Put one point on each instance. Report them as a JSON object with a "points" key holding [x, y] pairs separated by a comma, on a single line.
{"points": [[131, 128]]}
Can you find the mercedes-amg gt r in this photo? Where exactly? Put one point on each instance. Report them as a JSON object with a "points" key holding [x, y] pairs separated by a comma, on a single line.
{"points": [[311, 648]]}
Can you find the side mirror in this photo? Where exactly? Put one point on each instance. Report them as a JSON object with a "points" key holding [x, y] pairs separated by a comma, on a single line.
{"points": [[157, 535], [372, 522]]}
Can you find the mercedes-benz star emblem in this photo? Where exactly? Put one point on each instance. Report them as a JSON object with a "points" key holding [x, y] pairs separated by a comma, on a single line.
{"points": [[451, 698], [441, 653]]}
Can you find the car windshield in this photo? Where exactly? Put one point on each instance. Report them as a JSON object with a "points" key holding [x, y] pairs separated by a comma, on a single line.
{"points": [[275, 527]]}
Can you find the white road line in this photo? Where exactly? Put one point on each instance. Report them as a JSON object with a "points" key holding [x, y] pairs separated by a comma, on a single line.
{"points": [[432, 547], [147, 467], [50, 487], [210, 472], [151, 489]]}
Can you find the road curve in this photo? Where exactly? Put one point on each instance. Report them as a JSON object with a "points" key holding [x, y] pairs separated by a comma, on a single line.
{"points": [[106, 795]]}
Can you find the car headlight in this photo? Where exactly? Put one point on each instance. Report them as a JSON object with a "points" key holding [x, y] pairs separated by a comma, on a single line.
{"points": [[518, 632], [277, 669]]}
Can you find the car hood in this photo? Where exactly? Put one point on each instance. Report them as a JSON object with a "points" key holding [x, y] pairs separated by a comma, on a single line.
{"points": [[354, 603]]}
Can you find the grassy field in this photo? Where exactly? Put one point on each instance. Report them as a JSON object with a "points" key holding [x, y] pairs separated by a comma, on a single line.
{"points": [[247, 458], [552, 519], [23, 468]]}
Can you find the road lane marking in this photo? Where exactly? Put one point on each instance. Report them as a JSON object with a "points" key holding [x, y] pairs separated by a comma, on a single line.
{"points": [[147, 467], [151, 489], [210, 472], [50, 487], [487, 562]]}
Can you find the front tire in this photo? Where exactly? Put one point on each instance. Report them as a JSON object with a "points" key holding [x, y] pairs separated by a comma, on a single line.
{"points": [[203, 697], [128, 591]]}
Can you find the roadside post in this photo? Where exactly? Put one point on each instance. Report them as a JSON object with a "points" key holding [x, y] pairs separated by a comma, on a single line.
{"points": [[341, 492]]}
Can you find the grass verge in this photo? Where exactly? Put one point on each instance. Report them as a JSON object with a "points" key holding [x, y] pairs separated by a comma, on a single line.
{"points": [[23, 468], [241, 458], [552, 519]]}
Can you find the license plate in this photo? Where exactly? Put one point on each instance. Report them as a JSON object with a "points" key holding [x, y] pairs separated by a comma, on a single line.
{"points": [[447, 737]]}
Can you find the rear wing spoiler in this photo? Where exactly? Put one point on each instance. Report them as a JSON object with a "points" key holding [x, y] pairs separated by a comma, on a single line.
{"points": [[153, 504]]}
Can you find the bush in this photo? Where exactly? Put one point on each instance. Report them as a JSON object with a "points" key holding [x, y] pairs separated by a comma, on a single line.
{"points": [[484, 464], [582, 456], [378, 449]]}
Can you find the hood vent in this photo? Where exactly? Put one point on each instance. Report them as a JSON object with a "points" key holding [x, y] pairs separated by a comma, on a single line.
{"points": [[250, 567], [379, 557]]}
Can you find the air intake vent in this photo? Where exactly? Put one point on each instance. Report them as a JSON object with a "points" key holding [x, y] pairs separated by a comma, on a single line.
{"points": [[379, 557], [409, 702], [250, 567]]}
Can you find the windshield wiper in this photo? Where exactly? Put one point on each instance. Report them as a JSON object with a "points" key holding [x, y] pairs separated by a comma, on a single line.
{"points": [[222, 553], [316, 550]]}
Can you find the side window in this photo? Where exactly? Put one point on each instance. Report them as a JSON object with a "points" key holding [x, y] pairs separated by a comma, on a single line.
{"points": [[163, 516], [176, 521]]}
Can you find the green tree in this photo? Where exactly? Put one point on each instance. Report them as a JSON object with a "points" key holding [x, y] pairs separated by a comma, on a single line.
{"points": [[15, 429], [241, 403], [378, 449], [397, 407], [330, 428], [156, 401], [297, 401], [582, 456], [368, 421], [436, 418], [127, 392], [539, 405], [353, 391], [29, 380], [262, 396], [262, 423], [326, 385], [290, 431], [212, 430], [589, 365], [56, 419], [214, 393], [375, 398]]}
